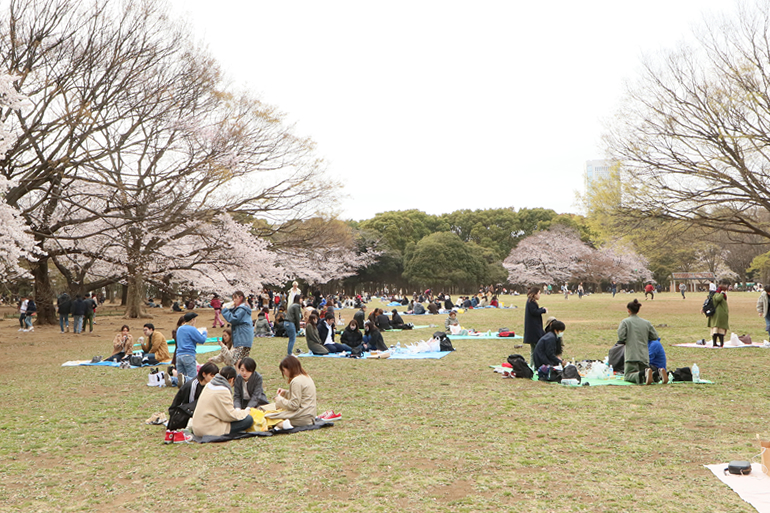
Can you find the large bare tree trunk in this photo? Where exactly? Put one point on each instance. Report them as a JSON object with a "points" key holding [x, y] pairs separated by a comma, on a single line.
{"points": [[135, 298], [44, 295]]}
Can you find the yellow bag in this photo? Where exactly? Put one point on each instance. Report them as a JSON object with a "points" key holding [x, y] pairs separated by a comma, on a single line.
{"points": [[259, 421]]}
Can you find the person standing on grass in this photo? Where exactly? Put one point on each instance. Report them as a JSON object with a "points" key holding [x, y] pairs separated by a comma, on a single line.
{"points": [[216, 304], [23, 313], [239, 317], [292, 321], [78, 313], [719, 322], [187, 337], [636, 333], [88, 319], [763, 310], [614, 288], [63, 308], [581, 290], [682, 289], [533, 322], [565, 289]]}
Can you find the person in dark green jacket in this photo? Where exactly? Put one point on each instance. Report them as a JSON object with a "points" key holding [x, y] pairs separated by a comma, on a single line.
{"points": [[635, 332], [291, 322], [719, 322]]}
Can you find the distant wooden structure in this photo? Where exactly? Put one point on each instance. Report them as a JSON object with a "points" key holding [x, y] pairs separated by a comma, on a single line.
{"points": [[692, 280]]}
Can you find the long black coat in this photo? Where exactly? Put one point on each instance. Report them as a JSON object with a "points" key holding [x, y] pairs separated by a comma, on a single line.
{"points": [[533, 323]]}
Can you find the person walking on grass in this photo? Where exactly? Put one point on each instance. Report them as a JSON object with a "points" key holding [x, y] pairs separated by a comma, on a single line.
{"points": [[635, 333], [682, 289], [23, 313]]}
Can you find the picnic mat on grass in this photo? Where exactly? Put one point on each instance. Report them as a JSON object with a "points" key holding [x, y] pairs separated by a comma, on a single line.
{"points": [[87, 363], [422, 327], [238, 436], [481, 337], [753, 488], [710, 346], [398, 356], [616, 381]]}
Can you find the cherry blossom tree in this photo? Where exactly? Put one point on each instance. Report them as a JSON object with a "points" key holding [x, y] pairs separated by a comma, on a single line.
{"points": [[131, 130], [550, 256], [16, 243]]}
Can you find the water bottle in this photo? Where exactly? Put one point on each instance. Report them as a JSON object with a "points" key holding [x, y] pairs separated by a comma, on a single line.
{"points": [[695, 373], [398, 347], [610, 373]]}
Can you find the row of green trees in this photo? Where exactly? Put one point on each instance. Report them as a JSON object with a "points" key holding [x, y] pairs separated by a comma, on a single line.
{"points": [[455, 251]]}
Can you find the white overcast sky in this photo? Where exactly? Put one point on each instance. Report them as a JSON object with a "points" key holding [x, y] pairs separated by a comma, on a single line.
{"points": [[442, 105]]}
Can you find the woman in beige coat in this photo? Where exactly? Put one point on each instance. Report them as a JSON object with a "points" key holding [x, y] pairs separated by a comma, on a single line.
{"points": [[298, 403], [215, 414]]}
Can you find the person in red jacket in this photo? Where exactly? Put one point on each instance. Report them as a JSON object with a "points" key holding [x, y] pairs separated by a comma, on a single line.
{"points": [[649, 289], [216, 304]]}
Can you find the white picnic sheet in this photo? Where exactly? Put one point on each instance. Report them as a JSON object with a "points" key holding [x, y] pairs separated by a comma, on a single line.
{"points": [[753, 488]]}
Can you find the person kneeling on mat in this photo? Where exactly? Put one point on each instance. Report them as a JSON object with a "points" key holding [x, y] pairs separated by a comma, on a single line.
{"points": [[215, 414]]}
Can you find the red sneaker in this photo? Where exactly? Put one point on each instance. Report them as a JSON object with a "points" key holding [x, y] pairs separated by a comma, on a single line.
{"points": [[332, 416], [181, 438], [169, 437]]}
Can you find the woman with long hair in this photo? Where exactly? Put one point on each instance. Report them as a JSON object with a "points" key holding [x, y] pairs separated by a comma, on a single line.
{"points": [[298, 402], [312, 337], [533, 322]]}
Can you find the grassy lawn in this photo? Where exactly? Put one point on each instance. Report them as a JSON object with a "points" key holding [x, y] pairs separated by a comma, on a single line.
{"points": [[425, 435]]}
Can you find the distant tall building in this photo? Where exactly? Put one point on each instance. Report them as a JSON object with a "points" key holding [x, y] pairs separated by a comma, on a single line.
{"points": [[596, 169]]}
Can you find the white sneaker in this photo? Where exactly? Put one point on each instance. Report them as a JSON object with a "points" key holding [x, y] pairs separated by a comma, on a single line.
{"points": [[24, 331]]}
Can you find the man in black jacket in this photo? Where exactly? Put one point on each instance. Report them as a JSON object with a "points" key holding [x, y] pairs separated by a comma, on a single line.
{"points": [[78, 313], [64, 306]]}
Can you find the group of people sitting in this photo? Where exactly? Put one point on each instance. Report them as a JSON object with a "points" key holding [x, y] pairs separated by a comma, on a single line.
{"points": [[153, 344], [638, 350], [219, 401]]}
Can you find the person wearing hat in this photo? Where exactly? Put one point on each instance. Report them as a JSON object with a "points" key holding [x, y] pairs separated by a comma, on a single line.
{"points": [[533, 322], [187, 337]]}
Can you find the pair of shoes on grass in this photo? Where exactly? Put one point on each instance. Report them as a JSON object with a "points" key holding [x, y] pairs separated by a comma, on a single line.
{"points": [[329, 415]]}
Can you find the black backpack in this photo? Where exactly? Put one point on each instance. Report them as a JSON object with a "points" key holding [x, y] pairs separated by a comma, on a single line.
{"points": [[444, 343], [571, 372], [682, 374], [178, 416], [520, 369], [708, 306]]}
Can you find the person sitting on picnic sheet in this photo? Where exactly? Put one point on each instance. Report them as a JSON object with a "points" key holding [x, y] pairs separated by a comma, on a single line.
{"points": [[262, 327], [175, 307], [657, 360], [636, 332], [451, 321], [433, 308], [418, 309], [448, 305], [494, 303], [247, 391], [352, 336], [360, 316], [326, 330], [382, 321], [227, 355], [314, 343], [549, 348], [154, 346], [188, 395], [215, 414], [375, 341], [122, 345], [396, 321], [298, 403]]}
